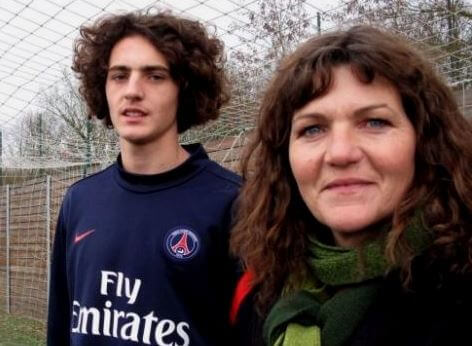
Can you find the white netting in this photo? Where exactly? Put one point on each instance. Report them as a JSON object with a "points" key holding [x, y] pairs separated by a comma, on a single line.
{"points": [[47, 143]]}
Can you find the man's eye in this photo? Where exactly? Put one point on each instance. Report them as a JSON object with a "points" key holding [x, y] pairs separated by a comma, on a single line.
{"points": [[118, 76], [156, 77]]}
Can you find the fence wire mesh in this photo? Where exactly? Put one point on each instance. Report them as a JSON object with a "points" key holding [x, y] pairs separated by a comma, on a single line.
{"points": [[43, 128]]}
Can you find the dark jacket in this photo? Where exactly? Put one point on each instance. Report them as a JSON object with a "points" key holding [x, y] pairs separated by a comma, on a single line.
{"points": [[429, 314]]}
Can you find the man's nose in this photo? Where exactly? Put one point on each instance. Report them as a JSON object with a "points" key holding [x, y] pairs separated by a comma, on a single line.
{"points": [[134, 88]]}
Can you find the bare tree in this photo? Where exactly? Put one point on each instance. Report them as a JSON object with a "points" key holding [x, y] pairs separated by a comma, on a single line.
{"points": [[441, 28], [272, 31], [60, 130]]}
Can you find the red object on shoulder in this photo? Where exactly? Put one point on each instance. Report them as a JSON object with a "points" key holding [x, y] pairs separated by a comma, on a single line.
{"points": [[243, 288]]}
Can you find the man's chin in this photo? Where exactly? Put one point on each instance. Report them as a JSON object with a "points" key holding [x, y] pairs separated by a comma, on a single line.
{"points": [[136, 140]]}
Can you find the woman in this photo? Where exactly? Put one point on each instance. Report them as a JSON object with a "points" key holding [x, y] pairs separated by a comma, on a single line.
{"points": [[355, 221]]}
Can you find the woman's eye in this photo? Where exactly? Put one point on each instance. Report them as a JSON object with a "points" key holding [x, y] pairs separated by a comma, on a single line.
{"points": [[312, 130], [376, 123]]}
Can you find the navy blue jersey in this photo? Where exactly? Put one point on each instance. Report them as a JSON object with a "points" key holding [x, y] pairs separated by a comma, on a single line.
{"points": [[143, 259]]}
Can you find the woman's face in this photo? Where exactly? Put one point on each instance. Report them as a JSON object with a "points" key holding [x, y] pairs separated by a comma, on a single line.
{"points": [[352, 155]]}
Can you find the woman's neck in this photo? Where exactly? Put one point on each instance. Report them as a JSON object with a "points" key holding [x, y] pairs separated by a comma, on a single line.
{"points": [[358, 238]]}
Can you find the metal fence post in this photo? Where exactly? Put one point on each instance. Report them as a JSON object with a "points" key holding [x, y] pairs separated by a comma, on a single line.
{"points": [[7, 228], [463, 99], [48, 234]]}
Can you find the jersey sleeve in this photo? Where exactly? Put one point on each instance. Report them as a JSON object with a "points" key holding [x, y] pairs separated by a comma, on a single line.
{"points": [[58, 328]]}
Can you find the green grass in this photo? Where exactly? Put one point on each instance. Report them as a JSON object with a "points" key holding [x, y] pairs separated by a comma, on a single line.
{"points": [[18, 331]]}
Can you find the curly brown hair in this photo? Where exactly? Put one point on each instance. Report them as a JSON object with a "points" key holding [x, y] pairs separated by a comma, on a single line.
{"points": [[272, 222], [195, 60]]}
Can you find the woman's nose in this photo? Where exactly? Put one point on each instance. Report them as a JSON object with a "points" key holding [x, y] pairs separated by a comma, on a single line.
{"points": [[342, 147]]}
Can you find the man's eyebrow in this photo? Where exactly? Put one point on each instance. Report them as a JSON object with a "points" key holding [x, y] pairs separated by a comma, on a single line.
{"points": [[118, 68], [152, 68], [145, 68]]}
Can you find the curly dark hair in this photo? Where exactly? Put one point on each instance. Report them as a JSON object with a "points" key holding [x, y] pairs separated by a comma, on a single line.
{"points": [[272, 223], [195, 60]]}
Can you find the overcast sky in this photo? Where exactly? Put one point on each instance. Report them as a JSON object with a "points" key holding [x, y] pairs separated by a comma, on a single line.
{"points": [[36, 38]]}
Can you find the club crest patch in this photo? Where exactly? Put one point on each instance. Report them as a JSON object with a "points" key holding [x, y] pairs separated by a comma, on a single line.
{"points": [[181, 243]]}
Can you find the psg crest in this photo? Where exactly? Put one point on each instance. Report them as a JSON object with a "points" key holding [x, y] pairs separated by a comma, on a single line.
{"points": [[182, 243]]}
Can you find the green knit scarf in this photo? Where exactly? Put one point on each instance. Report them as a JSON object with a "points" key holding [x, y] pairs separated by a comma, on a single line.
{"points": [[313, 316]]}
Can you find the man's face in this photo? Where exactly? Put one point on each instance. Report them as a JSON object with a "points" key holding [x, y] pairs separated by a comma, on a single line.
{"points": [[142, 96]]}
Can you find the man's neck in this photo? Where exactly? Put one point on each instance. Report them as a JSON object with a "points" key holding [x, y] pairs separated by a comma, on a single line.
{"points": [[152, 158]]}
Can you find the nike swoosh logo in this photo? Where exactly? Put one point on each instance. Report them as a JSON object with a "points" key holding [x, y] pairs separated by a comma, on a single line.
{"points": [[79, 237]]}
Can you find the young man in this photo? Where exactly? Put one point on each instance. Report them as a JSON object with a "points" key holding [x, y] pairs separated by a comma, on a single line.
{"points": [[140, 254]]}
